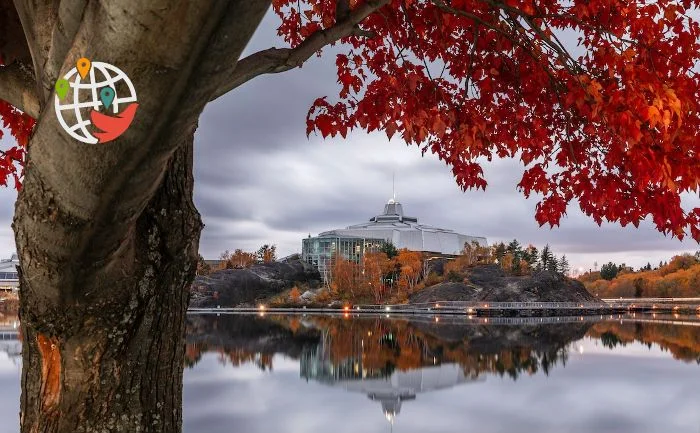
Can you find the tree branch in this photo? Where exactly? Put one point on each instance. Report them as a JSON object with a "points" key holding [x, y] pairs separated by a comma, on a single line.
{"points": [[68, 17], [275, 60], [37, 20], [17, 86]]}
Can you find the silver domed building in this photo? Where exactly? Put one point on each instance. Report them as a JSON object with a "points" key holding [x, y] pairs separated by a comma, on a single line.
{"points": [[390, 226]]}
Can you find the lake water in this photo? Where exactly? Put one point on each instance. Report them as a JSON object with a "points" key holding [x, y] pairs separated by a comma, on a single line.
{"points": [[350, 374]]}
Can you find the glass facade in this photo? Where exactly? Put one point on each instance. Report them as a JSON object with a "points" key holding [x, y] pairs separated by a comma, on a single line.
{"points": [[319, 251]]}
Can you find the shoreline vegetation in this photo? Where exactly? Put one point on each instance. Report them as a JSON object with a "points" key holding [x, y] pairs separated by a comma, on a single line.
{"points": [[499, 273], [502, 272], [677, 278]]}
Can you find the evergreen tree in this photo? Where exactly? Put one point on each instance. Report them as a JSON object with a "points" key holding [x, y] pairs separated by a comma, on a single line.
{"points": [[532, 257], [500, 251], [389, 249], [564, 265], [515, 264], [547, 260], [516, 251], [514, 247], [608, 271]]}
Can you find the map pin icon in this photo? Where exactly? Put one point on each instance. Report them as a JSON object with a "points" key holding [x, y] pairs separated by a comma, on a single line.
{"points": [[62, 87], [107, 96], [83, 66]]}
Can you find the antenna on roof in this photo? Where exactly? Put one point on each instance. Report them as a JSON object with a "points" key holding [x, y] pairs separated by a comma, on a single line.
{"points": [[393, 184]]}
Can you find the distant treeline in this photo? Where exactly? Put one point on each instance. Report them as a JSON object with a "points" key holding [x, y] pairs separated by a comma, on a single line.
{"points": [[678, 278]]}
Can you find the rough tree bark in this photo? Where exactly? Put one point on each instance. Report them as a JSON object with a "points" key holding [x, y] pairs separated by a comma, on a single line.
{"points": [[108, 235], [115, 364]]}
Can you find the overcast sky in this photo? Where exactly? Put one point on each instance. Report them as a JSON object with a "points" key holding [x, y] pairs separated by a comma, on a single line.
{"points": [[259, 179]]}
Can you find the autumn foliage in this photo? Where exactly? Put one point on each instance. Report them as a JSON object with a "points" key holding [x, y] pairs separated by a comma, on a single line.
{"points": [[378, 278], [679, 278], [240, 259], [382, 346], [598, 99], [12, 158]]}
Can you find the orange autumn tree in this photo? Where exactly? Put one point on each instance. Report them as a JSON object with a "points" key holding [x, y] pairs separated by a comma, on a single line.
{"points": [[267, 253], [411, 265], [375, 266], [295, 294], [241, 259], [344, 275]]}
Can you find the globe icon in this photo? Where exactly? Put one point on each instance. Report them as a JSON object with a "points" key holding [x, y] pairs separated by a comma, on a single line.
{"points": [[86, 96]]}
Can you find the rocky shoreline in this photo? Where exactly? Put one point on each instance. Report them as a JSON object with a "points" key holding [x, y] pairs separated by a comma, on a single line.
{"points": [[234, 287], [487, 283]]}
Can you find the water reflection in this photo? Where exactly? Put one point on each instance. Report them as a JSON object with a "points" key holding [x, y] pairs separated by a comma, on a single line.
{"points": [[316, 374], [395, 361], [10, 343], [380, 382]]}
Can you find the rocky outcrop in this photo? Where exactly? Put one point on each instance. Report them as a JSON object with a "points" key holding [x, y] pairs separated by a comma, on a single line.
{"points": [[233, 287], [490, 283]]}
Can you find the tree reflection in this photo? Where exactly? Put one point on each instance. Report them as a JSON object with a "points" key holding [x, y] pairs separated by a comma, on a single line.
{"points": [[377, 347], [683, 342]]}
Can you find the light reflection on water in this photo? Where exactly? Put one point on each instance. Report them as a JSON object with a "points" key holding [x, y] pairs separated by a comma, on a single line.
{"points": [[319, 374]]}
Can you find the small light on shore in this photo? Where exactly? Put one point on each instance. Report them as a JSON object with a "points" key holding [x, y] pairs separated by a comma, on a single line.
{"points": [[437, 305], [261, 307], [346, 308], [470, 310], [387, 309]]}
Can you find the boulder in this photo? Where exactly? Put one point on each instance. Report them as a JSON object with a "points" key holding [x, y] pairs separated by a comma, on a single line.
{"points": [[308, 296], [233, 287]]}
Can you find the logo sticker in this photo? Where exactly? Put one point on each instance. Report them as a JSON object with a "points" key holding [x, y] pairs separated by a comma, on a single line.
{"points": [[95, 102]]}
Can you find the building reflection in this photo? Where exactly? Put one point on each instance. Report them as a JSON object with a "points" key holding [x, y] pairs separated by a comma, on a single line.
{"points": [[10, 341], [387, 386]]}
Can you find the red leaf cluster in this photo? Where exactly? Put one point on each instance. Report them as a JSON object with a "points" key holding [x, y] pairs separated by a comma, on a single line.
{"points": [[12, 160], [613, 127]]}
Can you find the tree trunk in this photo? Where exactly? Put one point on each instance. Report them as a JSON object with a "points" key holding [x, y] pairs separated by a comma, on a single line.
{"points": [[115, 363], [107, 235]]}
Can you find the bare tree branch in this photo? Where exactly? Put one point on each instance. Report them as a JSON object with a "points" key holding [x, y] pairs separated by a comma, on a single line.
{"points": [[67, 21], [275, 60], [17, 87]]}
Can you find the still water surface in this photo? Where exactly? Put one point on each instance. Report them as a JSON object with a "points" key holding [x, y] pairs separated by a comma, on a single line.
{"points": [[333, 374]]}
